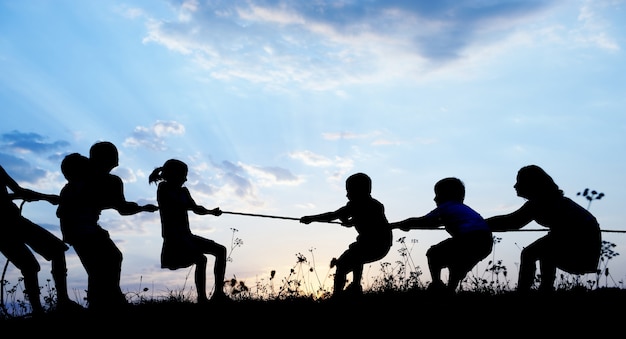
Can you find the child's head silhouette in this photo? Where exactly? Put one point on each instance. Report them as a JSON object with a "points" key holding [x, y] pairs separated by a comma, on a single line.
{"points": [[533, 182], [449, 189], [104, 155], [358, 184], [173, 171], [74, 166]]}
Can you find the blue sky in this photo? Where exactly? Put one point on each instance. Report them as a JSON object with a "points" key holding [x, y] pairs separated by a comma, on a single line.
{"points": [[273, 104]]}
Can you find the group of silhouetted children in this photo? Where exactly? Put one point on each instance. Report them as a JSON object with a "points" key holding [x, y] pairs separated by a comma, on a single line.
{"points": [[573, 243]]}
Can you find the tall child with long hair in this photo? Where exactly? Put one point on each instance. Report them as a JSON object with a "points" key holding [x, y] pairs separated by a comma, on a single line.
{"points": [[181, 248], [574, 240]]}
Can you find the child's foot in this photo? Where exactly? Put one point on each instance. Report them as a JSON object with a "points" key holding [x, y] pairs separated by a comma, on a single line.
{"points": [[69, 306], [220, 298], [354, 289], [440, 289], [350, 293], [436, 286], [36, 312]]}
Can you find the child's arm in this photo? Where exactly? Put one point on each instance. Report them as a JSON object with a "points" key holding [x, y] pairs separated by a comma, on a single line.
{"points": [[191, 205], [416, 223], [149, 208], [130, 208], [30, 195], [514, 220], [25, 194], [511, 221], [323, 217], [117, 200], [201, 210]]}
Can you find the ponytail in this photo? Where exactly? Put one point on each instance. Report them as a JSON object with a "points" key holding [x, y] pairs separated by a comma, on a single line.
{"points": [[171, 169], [156, 175]]}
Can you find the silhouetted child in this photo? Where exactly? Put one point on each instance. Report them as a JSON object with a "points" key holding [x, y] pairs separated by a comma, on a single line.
{"points": [[181, 248], [470, 242], [374, 238], [77, 217], [97, 190], [18, 236], [573, 243]]}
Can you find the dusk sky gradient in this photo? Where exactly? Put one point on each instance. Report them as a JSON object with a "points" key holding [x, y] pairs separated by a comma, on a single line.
{"points": [[273, 104]]}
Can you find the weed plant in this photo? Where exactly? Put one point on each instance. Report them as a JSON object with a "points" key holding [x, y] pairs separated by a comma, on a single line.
{"points": [[305, 283]]}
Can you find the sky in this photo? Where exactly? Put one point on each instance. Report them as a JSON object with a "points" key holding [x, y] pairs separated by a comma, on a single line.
{"points": [[273, 104]]}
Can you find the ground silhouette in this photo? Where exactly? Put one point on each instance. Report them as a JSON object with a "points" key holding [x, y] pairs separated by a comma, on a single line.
{"points": [[564, 313]]}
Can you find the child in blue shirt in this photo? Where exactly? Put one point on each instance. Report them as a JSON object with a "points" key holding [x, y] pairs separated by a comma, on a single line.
{"points": [[470, 242]]}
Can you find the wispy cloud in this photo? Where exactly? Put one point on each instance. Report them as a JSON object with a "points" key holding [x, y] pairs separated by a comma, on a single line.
{"points": [[153, 137], [19, 142], [21, 170], [232, 180], [594, 29], [271, 176], [18, 149], [321, 45], [335, 167], [126, 174], [349, 135]]}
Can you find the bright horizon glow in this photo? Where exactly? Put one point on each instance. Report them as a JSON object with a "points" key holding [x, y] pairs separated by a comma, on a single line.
{"points": [[272, 104]]}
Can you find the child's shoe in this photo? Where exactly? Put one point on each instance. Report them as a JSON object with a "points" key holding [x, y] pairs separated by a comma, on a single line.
{"points": [[354, 289]]}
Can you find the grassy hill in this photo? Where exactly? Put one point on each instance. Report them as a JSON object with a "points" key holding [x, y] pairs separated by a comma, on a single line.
{"points": [[413, 313]]}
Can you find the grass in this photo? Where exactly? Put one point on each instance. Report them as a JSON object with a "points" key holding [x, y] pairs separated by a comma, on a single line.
{"points": [[399, 313], [395, 299]]}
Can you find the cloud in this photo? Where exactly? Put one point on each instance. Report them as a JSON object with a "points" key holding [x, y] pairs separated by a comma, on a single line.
{"points": [[349, 135], [233, 181], [21, 170], [243, 186], [321, 45], [385, 142], [236, 182], [153, 137], [312, 159], [376, 137], [130, 12], [30, 143], [130, 224], [245, 177], [594, 29], [127, 175], [271, 176], [335, 168]]}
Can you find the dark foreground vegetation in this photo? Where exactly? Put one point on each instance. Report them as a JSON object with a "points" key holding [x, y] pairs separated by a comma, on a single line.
{"points": [[575, 312], [395, 303]]}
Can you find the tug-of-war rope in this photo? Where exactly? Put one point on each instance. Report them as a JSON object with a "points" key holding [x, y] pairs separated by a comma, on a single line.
{"points": [[441, 228]]}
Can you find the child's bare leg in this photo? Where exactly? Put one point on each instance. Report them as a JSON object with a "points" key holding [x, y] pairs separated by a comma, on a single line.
{"points": [[219, 271], [31, 289], [200, 279]]}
